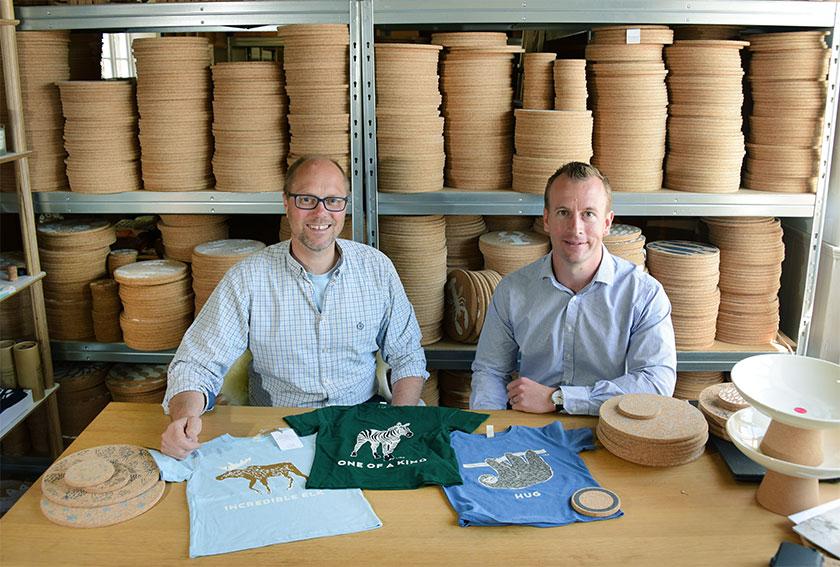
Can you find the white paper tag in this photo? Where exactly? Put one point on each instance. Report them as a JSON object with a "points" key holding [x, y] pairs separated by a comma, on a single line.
{"points": [[286, 439], [490, 432], [634, 35]]}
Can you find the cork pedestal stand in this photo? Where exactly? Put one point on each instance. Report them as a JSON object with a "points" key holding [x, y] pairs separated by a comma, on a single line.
{"points": [[792, 428]]}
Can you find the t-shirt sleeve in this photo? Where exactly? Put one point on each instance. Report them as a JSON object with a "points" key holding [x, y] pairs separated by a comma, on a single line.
{"points": [[173, 470], [577, 440], [307, 423], [459, 420]]}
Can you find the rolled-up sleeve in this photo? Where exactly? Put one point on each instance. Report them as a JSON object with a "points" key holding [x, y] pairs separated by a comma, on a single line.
{"points": [[495, 357], [217, 337], [399, 338]]}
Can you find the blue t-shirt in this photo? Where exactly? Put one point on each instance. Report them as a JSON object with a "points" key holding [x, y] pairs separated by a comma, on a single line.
{"points": [[244, 492], [525, 475]]}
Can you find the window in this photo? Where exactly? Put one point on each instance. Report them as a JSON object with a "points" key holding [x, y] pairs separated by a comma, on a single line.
{"points": [[117, 60]]}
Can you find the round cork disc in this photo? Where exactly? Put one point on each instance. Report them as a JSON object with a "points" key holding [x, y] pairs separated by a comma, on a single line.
{"points": [[730, 399], [638, 407], [150, 272], [143, 475], [104, 515], [119, 479], [88, 472], [596, 502]]}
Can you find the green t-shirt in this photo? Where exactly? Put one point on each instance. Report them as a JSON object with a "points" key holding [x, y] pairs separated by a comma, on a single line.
{"points": [[383, 447]]}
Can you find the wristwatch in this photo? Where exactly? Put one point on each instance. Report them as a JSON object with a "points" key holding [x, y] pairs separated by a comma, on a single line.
{"points": [[557, 399]]}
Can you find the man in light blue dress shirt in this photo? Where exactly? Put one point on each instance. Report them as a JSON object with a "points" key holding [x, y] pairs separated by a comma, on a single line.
{"points": [[583, 325], [313, 311]]}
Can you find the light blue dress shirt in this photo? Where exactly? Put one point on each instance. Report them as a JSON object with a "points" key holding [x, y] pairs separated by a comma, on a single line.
{"points": [[613, 337], [302, 355]]}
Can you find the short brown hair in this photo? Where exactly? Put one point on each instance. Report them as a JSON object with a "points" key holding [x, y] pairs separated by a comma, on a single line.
{"points": [[292, 172], [579, 171]]}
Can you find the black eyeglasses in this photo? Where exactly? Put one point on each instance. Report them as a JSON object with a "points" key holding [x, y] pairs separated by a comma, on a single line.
{"points": [[309, 202]]}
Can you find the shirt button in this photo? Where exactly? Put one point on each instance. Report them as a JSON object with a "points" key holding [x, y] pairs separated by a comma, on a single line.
{"points": [[567, 356], [568, 328]]}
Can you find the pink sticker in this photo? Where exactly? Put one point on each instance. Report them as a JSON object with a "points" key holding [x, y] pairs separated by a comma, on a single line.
{"points": [[800, 410]]}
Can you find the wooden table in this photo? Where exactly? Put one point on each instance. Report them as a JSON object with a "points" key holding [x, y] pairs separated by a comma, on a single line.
{"points": [[693, 514]]}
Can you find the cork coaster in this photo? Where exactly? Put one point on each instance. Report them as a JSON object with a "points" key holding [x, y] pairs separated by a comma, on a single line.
{"points": [[143, 475], [103, 516], [730, 399], [118, 480], [638, 407], [88, 472], [596, 502]]}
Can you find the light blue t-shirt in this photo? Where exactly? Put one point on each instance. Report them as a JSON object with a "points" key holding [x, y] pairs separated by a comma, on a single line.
{"points": [[244, 492], [525, 475], [319, 287]]}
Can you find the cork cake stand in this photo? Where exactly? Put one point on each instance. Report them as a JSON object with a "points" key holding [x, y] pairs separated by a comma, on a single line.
{"points": [[792, 428]]}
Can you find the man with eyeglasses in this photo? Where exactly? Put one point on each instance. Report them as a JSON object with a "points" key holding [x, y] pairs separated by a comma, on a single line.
{"points": [[313, 310]]}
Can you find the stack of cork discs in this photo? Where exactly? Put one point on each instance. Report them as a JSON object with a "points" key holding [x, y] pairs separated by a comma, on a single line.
{"points": [[100, 136], [652, 430], [182, 233], [691, 384], [705, 143], [44, 61], [629, 102], [718, 402], [468, 296], [628, 242], [73, 253], [173, 98], [417, 247], [285, 232], [462, 234], [100, 486], [689, 272], [157, 303], [409, 127], [455, 387], [570, 84], [137, 383], [316, 60], [430, 394], [249, 126], [508, 222], [476, 82], [538, 226], [546, 140], [120, 257], [788, 81], [751, 254], [212, 260], [538, 81], [82, 394], [507, 251], [105, 300]]}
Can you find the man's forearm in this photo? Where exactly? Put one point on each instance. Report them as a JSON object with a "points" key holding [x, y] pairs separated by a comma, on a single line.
{"points": [[406, 391], [186, 404]]}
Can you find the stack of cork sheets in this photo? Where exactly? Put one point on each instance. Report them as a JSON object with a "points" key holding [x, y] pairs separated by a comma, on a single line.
{"points": [[137, 383], [627, 241], [691, 384], [570, 84], [455, 387], [718, 402], [462, 234], [211, 260], [652, 430], [182, 233], [538, 81], [507, 251]]}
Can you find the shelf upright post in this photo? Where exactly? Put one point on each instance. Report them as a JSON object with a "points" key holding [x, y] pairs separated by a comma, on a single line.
{"points": [[369, 103], [815, 245], [356, 121], [14, 104]]}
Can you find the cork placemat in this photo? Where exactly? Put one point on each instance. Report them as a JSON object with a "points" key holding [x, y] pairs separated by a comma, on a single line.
{"points": [[106, 515]]}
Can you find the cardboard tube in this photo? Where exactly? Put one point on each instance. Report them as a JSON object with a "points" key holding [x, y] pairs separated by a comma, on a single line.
{"points": [[28, 368], [8, 379]]}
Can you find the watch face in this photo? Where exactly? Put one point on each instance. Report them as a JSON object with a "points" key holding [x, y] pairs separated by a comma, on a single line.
{"points": [[557, 397]]}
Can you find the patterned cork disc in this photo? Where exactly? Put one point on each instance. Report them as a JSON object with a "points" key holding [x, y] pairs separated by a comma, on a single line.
{"points": [[143, 475], [596, 502], [730, 399], [88, 472], [105, 515]]}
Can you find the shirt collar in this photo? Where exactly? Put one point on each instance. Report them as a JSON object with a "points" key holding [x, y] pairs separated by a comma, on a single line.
{"points": [[297, 268], [605, 273]]}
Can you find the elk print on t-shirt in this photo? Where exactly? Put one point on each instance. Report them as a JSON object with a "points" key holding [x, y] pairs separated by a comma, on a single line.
{"points": [[389, 439], [263, 473]]}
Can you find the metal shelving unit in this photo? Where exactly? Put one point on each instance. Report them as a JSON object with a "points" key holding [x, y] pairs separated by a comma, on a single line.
{"points": [[578, 15]]}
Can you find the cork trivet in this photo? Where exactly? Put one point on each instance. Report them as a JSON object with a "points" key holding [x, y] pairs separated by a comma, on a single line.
{"points": [[677, 420], [103, 516], [595, 501], [144, 474], [638, 407], [88, 472], [730, 399]]}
